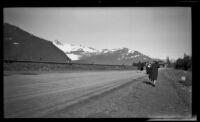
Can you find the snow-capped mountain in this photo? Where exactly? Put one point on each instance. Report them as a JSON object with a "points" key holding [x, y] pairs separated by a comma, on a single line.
{"points": [[21, 45], [116, 56], [75, 52], [121, 56], [70, 47]]}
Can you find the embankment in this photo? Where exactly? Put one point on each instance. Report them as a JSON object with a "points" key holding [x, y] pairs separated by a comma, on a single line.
{"points": [[52, 66]]}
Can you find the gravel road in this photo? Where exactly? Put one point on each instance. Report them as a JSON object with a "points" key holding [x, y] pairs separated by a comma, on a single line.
{"points": [[39, 95], [138, 98], [100, 94]]}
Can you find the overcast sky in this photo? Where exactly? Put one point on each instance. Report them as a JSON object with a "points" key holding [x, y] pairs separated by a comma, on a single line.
{"points": [[154, 31]]}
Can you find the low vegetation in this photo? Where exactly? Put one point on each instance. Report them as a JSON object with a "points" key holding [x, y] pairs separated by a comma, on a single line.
{"points": [[39, 66], [184, 63], [182, 81], [176, 75]]}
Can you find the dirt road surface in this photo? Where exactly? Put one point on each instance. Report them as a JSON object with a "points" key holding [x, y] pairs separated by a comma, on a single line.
{"points": [[35, 95], [91, 94]]}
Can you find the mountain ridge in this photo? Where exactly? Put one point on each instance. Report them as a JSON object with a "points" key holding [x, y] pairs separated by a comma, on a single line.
{"points": [[22, 45], [114, 56]]}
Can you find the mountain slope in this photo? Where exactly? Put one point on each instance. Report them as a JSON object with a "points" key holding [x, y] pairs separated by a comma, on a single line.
{"points": [[117, 56], [75, 52], [21, 45]]}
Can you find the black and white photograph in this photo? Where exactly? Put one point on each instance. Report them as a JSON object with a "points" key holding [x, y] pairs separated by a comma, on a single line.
{"points": [[97, 62]]}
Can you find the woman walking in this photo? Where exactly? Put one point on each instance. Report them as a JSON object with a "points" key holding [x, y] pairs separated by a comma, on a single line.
{"points": [[148, 66], [153, 74]]}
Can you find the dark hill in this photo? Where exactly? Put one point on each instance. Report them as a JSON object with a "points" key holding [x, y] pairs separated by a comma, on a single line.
{"points": [[21, 45]]}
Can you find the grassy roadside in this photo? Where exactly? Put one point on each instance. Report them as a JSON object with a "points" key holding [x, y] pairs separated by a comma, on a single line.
{"points": [[31, 66], [183, 88], [176, 75]]}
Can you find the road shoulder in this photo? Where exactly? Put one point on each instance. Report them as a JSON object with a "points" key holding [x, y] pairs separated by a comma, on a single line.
{"points": [[138, 99]]}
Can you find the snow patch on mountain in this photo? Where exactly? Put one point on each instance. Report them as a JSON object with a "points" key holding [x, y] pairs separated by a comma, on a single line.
{"points": [[135, 56], [104, 51], [131, 51], [70, 47], [73, 57]]}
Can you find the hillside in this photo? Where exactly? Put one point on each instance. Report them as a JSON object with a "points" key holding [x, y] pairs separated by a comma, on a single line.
{"points": [[21, 45]]}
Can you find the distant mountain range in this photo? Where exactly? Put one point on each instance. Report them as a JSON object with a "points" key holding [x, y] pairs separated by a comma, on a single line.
{"points": [[21, 45], [117, 56]]}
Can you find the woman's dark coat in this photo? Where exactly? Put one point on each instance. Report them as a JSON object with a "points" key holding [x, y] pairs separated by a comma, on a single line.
{"points": [[153, 73], [147, 69]]}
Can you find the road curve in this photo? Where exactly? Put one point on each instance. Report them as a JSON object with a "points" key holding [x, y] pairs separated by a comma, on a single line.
{"points": [[42, 94]]}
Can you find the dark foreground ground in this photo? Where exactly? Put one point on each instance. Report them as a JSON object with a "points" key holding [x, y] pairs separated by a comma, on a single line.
{"points": [[132, 96]]}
